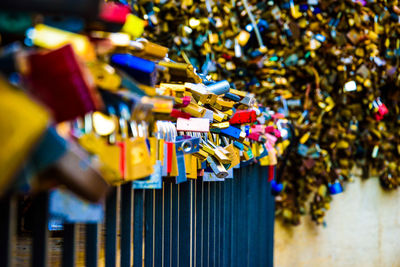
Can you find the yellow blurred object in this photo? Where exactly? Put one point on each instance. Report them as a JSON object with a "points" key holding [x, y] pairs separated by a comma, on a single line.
{"points": [[105, 76], [133, 25], [103, 124], [243, 37], [52, 38], [22, 122]]}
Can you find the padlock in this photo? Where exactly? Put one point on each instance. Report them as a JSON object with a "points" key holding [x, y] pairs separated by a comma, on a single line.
{"points": [[50, 149], [180, 71], [219, 88], [195, 110], [243, 116], [52, 38], [212, 177], [191, 166], [217, 167], [193, 125], [75, 94], [184, 145], [276, 188], [170, 167], [14, 138], [201, 94], [142, 70], [180, 114], [136, 153], [155, 179], [232, 96], [105, 76], [79, 173], [234, 156], [220, 153], [133, 25], [144, 48], [221, 125], [335, 188], [230, 132]]}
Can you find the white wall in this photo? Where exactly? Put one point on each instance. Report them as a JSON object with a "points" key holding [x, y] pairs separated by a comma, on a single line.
{"points": [[363, 229]]}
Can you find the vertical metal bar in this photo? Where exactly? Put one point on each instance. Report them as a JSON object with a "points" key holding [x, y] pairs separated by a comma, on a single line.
{"points": [[138, 228], [167, 223], [69, 255], [217, 223], [242, 224], [258, 226], [212, 223], [252, 220], [270, 224], [148, 247], [199, 223], [126, 223], [261, 215], [92, 245], [206, 224], [40, 230], [185, 192], [111, 229], [227, 223], [221, 226], [235, 217], [193, 223], [263, 183], [245, 199], [175, 225], [7, 229], [158, 244]]}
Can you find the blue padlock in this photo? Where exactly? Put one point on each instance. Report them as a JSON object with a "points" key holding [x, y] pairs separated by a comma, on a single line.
{"points": [[142, 70], [50, 149], [335, 188], [233, 97], [276, 188], [231, 131], [238, 145], [219, 88]]}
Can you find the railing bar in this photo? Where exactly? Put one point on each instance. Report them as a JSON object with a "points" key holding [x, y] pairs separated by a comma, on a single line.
{"points": [[8, 224], [222, 226], [126, 224], [111, 229], [167, 224], [158, 231], [206, 225], [184, 245], [92, 245], [199, 223], [148, 218], [40, 230], [234, 207], [69, 239], [217, 211], [138, 203], [175, 225], [252, 219], [271, 219]]}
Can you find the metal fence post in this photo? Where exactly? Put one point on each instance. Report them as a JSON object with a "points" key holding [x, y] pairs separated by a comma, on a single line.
{"points": [[7, 229]]}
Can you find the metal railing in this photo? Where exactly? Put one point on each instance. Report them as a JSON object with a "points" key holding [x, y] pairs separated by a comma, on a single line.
{"points": [[195, 223]]}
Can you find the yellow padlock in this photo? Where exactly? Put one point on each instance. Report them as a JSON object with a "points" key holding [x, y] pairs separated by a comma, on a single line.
{"points": [[138, 160]]}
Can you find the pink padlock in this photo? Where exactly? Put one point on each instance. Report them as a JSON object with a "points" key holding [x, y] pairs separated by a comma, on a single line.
{"points": [[269, 129], [257, 128], [277, 133], [254, 136]]}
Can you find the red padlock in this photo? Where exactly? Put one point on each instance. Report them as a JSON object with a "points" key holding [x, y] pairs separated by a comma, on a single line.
{"points": [[58, 80], [243, 116]]}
